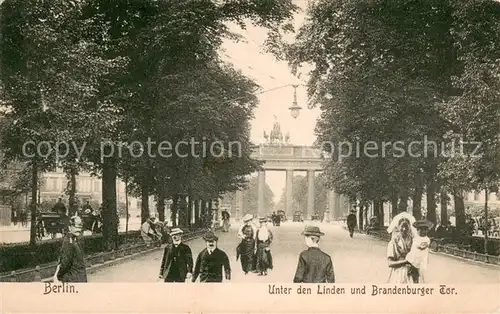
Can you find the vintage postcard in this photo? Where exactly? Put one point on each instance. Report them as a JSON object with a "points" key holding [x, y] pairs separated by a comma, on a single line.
{"points": [[249, 156]]}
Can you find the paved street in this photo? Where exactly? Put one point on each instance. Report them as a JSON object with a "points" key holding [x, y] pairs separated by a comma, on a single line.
{"points": [[357, 260], [16, 234]]}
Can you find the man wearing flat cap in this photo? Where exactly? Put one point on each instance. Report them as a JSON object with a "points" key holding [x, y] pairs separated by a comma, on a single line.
{"points": [[314, 266], [177, 261], [211, 261]]}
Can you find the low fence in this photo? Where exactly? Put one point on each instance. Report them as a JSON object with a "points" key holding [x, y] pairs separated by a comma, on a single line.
{"points": [[447, 249], [44, 273], [22, 255]]}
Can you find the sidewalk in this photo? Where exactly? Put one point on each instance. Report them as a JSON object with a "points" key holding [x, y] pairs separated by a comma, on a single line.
{"points": [[17, 234]]}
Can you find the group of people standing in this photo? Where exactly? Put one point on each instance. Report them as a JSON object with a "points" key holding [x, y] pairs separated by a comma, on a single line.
{"points": [[254, 250]]}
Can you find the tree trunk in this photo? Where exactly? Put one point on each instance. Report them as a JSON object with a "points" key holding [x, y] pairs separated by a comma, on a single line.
{"points": [[160, 206], [72, 193], [417, 202], [431, 202], [394, 206], [444, 207], [209, 214], [192, 201], [360, 217], [186, 211], [109, 214], [203, 213], [458, 200], [144, 204], [403, 202], [486, 194], [173, 210], [197, 213], [378, 209], [34, 191], [126, 206], [367, 222], [181, 211]]}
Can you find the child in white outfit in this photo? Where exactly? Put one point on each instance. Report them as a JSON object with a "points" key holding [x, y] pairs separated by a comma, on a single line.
{"points": [[418, 256]]}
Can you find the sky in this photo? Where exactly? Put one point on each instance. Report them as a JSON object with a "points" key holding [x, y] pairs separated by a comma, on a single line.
{"points": [[251, 59]]}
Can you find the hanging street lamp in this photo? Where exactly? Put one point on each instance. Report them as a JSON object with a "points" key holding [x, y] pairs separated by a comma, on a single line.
{"points": [[295, 108]]}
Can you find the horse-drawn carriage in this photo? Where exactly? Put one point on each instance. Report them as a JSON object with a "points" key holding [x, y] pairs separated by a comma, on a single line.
{"points": [[316, 217], [54, 223], [282, 215], [50, 223], [92, 223], [298, 217]]}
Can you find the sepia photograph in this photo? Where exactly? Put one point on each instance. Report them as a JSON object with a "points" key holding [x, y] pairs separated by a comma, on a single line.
{"points": [[309, 155]]}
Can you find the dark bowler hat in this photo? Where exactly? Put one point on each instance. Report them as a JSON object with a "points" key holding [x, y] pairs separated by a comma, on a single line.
{"points": [[312, 231], [210, 236], [422, 223]]}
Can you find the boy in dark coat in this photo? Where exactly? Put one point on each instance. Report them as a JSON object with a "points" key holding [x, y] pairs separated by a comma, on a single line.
{"points": [[71, 267], [177, 261], [211, 261], [315, 266]]}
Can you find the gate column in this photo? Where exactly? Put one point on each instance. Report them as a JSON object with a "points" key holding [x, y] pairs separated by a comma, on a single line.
{"points": [[260, 195], [288, 193], [310, 193]]}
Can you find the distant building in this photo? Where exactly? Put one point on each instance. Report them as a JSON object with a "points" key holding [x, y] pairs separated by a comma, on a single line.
{"points": [[87, 188]]}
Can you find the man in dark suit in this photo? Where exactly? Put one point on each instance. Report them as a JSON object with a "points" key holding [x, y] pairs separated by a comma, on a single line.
{"points": [[315, 266], [210, 261], [177, 262], [352, 221]]}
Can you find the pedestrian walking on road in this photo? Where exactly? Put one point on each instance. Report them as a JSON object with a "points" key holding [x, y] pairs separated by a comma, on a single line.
{"points": [[263, 255], [177, 261], [212, 262], [225, 221], [246, 249], [314, 266], [397, 249], [352, 221], [71, 266]]}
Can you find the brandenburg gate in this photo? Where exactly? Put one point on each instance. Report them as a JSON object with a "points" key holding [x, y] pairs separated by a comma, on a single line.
{"points": [[290, 158]]}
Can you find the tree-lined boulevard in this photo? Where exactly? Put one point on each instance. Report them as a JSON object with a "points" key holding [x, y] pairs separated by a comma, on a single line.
{"points": [[101, 74]]}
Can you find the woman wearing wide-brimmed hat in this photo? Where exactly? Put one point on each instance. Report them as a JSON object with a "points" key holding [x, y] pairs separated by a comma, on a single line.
{"points": [[264, 238], [246, 249], [399, 246], [71, 267]]}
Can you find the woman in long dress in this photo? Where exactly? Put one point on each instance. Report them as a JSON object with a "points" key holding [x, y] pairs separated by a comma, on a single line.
{"points": [[397, 249], [263, 254], [246, 248]]}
